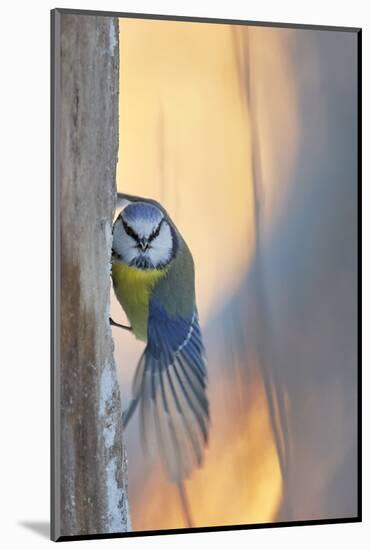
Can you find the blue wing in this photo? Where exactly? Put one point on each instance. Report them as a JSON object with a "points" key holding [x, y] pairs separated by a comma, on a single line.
{"points": [[170, 389]]}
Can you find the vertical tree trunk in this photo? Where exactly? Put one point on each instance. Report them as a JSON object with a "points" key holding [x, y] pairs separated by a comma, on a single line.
{"points": [[89, 491]]}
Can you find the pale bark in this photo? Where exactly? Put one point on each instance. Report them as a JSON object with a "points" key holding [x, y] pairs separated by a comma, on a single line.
{"points": [[90, 486]]}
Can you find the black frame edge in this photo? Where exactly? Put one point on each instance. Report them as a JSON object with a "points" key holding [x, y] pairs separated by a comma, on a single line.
{"points": [[212, 529]]}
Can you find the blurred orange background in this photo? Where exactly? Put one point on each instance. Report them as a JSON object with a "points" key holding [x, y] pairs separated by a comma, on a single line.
{"points": [[214, 121]]}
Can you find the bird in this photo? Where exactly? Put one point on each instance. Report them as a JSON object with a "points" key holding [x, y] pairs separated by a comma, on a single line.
{"points": [[153, 278]]}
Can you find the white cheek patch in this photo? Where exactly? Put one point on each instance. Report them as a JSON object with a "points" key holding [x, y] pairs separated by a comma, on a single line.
{"points": [[123, 244], [161, 246], [128, 248]]}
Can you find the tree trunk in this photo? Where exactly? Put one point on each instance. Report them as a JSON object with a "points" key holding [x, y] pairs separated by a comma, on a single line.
{"points": [[89, 489]]}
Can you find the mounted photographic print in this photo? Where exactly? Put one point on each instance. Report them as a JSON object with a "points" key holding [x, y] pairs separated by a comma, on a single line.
{"points": [[205, 191]]}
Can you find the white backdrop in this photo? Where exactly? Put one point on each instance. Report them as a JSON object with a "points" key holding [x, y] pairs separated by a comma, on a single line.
{"points": [[24, 402]]}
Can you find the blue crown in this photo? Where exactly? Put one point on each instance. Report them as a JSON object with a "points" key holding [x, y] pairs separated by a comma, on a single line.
{"points": [[143, 211]]}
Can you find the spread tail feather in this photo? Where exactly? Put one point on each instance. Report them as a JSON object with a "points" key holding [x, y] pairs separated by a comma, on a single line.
{"points": [[185, 505]]}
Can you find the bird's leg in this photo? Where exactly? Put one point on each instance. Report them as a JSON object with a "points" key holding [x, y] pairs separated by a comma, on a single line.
{"points": [[114, 324]]}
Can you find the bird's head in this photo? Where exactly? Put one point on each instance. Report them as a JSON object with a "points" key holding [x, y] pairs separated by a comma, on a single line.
{"points": [[142, 237]]}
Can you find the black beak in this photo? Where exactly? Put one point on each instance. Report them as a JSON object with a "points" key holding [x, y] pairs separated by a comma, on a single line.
{"points": [[143, 245]]}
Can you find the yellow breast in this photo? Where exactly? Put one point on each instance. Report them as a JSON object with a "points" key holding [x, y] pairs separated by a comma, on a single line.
{"points": [[132, 288]]}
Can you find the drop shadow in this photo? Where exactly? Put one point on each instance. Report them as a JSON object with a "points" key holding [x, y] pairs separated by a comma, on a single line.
{"points": [[41, 528]]}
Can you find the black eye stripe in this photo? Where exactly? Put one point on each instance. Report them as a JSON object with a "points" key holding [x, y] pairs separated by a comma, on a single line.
{"points": [[129, 230], [156, 232]]}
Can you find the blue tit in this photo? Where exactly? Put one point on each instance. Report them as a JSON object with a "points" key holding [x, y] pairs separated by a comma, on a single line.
{"points": [[154, 281]]}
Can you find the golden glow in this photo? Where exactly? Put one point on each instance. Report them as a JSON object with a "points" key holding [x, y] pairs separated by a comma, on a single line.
{"points": [[185, 140], [185, 137], [239, 483], [276, 105]]}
